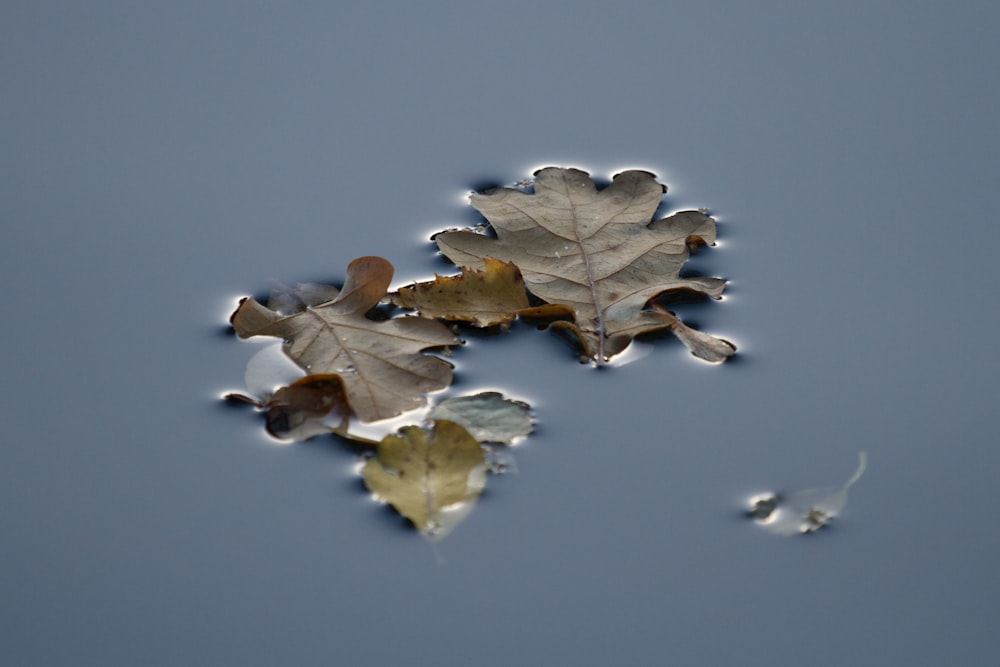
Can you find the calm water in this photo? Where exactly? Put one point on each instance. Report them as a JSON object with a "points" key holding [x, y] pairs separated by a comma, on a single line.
{"points": [[161, 162]]}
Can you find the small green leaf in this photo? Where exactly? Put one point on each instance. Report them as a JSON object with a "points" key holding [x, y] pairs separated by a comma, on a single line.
{"points": [[488, 416]]}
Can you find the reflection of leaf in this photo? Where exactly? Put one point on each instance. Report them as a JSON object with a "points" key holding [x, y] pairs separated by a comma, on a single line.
{"points": [[380, 363], [432, 477], [485, 297], [290, 300], [488, 416], [595, 251], [806, 510]]}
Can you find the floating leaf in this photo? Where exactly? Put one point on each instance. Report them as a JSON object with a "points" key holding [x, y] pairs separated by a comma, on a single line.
{"points": [[488, 416], [596, 252], [486, 297], [380, 363], [806, 510], [433, 477]]}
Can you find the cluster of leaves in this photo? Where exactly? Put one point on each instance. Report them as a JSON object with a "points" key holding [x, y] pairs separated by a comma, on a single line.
{"points": [[592, 263]]}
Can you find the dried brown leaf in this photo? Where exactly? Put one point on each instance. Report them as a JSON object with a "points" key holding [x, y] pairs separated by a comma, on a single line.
{"points": [[380, 363], [596, 252], [488, 296]]}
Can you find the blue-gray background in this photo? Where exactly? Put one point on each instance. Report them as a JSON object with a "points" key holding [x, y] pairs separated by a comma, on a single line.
{"points": [[161, 159]]}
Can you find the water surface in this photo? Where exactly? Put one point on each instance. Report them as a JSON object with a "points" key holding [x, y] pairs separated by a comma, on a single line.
{"points": [[163, 161]]}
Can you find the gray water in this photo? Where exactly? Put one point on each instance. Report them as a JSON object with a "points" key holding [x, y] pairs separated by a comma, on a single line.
{"points": [[162, 160]]}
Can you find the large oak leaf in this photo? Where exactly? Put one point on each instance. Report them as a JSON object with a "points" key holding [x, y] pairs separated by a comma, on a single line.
{"points": [[380, 363], [595, 251]]}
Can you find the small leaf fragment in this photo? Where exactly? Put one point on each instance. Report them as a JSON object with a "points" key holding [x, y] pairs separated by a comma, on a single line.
{"points": [[433, 476], [488, 296], [806, 510], [487, 416]]}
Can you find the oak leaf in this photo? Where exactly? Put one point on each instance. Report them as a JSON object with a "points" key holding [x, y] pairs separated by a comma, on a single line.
{"points": [[595, 251], [488, 296], [380, 363], [433, 477]]}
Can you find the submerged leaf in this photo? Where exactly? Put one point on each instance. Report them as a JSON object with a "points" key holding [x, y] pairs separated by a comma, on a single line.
{"points": [[380, 363], [290, 300], [596, 252], [804, 511], [433, 477], [493, 295], [488, 416]]}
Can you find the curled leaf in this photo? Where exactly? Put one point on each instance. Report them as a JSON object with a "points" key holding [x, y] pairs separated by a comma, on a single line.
{"points": [[433, 476], [367, 280]]}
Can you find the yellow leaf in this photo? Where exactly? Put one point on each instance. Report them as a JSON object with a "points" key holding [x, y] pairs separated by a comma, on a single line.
{"points": [[433, 477]]}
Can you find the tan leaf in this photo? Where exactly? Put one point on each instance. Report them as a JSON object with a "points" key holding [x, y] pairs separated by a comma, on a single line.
{"points": [[594, 251], [487, 296], [380, 363], [433, 477]]}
